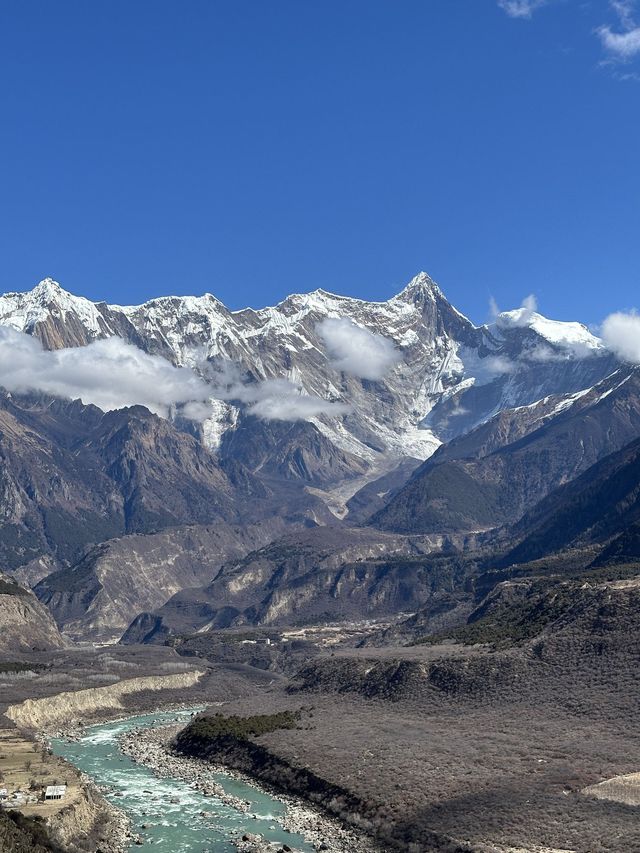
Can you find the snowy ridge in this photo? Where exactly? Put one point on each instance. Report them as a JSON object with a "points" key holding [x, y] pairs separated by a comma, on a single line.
{"points": [[561, 333], [450, 375], [22, 311]]}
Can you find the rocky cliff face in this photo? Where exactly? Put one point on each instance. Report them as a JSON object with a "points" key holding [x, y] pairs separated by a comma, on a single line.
{"points": [[96, 597], [120, 472], [46, 714], [25, 624], [324, 574], [73, 476]]}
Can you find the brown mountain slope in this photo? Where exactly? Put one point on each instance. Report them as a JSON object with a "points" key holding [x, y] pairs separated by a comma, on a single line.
{"points": [[72, 476], [326, 574], [25, 623], [96, 597]]}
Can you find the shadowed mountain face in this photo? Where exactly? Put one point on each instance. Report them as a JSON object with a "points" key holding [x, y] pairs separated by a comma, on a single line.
{"points": [[585, 533], [72, 476], [602, 505], [288, 451], [493, 475]]}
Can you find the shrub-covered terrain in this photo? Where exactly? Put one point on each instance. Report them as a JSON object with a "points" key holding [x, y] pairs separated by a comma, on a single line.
{"points": [[519, 610], [207, 729], [20, 666], [485, 746], [503, 622], [20, 834]]}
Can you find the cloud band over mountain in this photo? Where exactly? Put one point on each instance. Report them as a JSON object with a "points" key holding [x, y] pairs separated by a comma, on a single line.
{"points": [[112, 374], [109, 373], [356, 350]]}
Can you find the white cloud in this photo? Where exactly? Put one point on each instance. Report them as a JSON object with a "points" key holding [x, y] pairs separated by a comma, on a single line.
{"points": [[457, 411], [564, 351], [625, 10], [521, 317], [494, 309], [621, 333], [112, 374], [543, 353], [529, 306], [356, 350], [628, 76], [271, 399], [109, 373], [493, 366], [196, 411], [521, 8], [624, 45], [281, 400], [485, 370]]}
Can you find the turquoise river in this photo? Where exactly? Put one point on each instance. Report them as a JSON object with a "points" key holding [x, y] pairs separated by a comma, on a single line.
{"points": [[192, 823]]}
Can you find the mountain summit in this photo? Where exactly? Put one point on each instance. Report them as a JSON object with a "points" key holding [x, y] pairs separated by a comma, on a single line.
{"points": [[444, 377]]}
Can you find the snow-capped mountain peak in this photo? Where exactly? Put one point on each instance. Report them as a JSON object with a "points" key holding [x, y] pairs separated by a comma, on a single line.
{"points": [[420, 286], [49, 301], [48, 289], [421, 281], [561, 333], [449, 375], [45, 292]]}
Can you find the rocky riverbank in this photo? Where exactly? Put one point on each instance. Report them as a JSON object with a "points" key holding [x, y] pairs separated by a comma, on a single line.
{"points": [[152, 748], [93, 818]]}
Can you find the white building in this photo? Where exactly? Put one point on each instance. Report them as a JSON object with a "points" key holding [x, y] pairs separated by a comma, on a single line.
{"points": [[55, 792]]}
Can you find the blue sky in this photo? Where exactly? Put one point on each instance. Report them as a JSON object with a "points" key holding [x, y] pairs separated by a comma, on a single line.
{"points": [[252, 148]]}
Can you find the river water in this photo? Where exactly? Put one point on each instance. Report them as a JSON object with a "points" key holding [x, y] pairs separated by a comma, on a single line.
{"points": [[172, 827]]}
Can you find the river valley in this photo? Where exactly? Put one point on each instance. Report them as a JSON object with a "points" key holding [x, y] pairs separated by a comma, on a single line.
{"points": [[167, 814]]}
